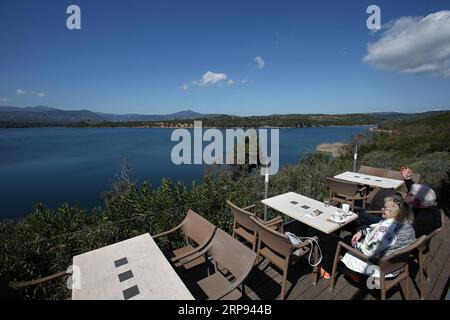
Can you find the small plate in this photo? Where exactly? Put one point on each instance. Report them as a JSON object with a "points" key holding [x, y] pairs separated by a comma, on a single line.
{"points": [[337, 221]]}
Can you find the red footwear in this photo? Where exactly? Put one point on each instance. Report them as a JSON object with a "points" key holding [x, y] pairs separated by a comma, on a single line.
{"points": [[356, 278], [324, 274]]}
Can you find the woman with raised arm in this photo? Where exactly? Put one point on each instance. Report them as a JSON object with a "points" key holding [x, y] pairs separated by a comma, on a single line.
{"points": [[422, 200]]}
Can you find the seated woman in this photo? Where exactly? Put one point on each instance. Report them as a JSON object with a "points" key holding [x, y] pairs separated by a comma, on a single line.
{"points": [[381, 239]]}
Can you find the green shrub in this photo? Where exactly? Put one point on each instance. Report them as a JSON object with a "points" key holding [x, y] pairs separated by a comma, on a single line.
{"points": [[435, 168], [380, 159]]}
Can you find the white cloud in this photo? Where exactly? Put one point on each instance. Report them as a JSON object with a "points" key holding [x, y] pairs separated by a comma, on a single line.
{"points": [[212, 78], [184, 87], [33, 93], [260, 63], [414, 45]]}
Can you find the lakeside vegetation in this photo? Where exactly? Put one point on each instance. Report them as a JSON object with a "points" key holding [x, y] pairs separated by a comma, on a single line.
{"points": [[288, 121], [44, 242], [229, 121]]}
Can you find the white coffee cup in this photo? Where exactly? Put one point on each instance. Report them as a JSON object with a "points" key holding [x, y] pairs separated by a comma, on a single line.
{"points": [[338, 215], [346, 207]]}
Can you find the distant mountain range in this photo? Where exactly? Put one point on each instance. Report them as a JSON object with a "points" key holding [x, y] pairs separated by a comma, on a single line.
{"points": [[43, 115]]}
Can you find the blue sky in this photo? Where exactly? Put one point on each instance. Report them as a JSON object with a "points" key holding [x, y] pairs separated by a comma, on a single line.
{"points": [[263, 57]]}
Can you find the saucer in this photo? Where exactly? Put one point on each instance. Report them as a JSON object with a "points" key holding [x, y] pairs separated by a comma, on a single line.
{"points": [[333, 218]]}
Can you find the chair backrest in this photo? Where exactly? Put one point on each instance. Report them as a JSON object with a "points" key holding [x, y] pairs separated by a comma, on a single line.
{"points": [[232, 254], [393, 174], [276, 241], [372, 171], [197, 228], [241, 216], [415, 177], [342, 187], [399, 258]]}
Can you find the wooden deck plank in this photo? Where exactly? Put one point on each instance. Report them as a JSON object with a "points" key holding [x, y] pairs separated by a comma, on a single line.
{"points": [[314, 291], [301, 286], [303, 283], [327, 294], [440, 271], [439, 274], [437, 251], [347, 293]]}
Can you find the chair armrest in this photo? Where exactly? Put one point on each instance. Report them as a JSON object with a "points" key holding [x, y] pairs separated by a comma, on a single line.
{"points": [[167, 232], [359, 254], [272, 222], [194, 250], [194, 256], [24, 284], [184, 255], [375, 212], [364, 188], [357, 197], [253, 206], [303, 244]]}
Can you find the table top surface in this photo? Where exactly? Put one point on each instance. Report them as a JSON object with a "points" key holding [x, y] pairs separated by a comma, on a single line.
{"points": [[369, 180], [302, 209], [133, 269]]}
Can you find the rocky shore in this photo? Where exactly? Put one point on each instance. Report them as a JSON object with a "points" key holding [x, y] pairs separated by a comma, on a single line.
{"points": [[336, 149]]}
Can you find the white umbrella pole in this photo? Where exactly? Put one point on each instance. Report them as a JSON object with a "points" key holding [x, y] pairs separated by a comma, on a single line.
{"points": [[355, 157], [266, 191]]}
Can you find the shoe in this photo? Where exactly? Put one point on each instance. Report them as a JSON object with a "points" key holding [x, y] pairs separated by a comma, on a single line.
{"points": [[324, 274], [355, 278]]}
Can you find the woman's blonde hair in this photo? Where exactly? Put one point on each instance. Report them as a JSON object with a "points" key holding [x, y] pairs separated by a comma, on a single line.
{"points": [[399, 208]]}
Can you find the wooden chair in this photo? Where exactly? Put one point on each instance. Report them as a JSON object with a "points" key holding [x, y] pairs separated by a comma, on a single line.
{"points": [[423, 258], [195, 229], [398, 260], [379, 172], [346, 192], [243, 226], [393, 174], [281, 252], [228, 254]]}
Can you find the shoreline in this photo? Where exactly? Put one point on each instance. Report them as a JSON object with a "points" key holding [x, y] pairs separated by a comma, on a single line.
{"points": [[191, 127]]}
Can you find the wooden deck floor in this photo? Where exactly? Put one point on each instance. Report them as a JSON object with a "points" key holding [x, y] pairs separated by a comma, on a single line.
{"points": [[264, 281]]}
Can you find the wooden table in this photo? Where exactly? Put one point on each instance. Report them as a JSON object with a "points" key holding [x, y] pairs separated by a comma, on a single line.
{"points": [[301, 208], [369, 180], [132, 269]]}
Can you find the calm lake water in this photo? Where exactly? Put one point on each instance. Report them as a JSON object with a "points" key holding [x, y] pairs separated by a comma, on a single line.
{"points": [[57, 165]]}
